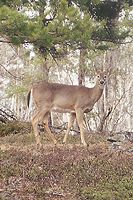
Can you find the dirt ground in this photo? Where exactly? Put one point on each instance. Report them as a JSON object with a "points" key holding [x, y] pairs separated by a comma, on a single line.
{"points": [[63, 172]]}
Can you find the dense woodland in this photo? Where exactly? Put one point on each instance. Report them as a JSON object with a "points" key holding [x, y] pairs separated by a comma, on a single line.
{"points": [[62, 41], [65, 41]]}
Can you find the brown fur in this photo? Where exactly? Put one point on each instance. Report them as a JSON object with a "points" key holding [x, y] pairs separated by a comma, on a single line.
{"points": [[54, 97]]}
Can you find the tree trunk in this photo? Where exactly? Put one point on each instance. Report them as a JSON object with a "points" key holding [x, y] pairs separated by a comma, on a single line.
{"points": [[81, 71], [45, 69], [107, 63]]}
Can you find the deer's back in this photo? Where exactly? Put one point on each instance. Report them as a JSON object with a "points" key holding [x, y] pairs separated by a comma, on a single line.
{"points": [[60, 95]]}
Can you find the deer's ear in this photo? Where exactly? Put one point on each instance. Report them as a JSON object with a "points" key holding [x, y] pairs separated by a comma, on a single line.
{"points": [[95, 68], [105, 73], [97, 71]]}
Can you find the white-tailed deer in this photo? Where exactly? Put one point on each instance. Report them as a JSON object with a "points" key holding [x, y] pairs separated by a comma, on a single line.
{"points": [[54, 97]]}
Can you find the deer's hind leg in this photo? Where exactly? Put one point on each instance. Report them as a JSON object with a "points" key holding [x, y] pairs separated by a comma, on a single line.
{"points": [[45, 122], [38, 117], [70, 123]]}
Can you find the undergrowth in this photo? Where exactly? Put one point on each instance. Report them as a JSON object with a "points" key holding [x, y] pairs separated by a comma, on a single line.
{"points": [[69, 172]]}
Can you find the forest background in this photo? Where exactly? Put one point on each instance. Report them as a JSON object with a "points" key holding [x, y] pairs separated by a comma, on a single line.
{"points": [[63, 41]]}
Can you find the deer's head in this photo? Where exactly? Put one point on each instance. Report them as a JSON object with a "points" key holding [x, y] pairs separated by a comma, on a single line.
{"points": [[101, 78]]}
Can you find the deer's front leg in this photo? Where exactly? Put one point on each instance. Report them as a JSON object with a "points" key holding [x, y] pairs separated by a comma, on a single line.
{"points": [[80, 120], [70, 123]]}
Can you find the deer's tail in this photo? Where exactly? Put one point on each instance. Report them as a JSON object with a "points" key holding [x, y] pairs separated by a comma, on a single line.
{"points": [[28, 98]]}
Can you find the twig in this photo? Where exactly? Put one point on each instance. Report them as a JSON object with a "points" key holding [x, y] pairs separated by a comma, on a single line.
{"points": [[61, 128], [8, 71], [119, 100], [6, 115], [105, 116]]}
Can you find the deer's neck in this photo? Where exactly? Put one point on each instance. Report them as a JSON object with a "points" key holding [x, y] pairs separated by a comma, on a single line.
{"points": [[97, 92]]}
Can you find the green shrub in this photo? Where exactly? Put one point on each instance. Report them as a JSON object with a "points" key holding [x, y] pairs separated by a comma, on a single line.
{"points": [[112, 190], [14, 127]]}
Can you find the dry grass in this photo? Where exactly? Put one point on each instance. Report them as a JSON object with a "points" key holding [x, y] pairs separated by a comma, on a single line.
{"points": [[69, 172]]}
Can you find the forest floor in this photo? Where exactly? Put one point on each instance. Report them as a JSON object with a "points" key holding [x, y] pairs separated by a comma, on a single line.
{"points": [[63, 172]]}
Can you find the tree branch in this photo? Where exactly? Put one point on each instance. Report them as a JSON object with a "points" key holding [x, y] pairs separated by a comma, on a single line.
{"points": [[15, 77]]}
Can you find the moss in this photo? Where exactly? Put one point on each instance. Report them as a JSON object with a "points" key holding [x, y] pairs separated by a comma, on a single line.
{"points": [[118, 190], [14, 127], [71, 170]]}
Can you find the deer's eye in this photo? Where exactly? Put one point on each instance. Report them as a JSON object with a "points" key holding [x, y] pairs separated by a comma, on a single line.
{"points": [[98, 76], [105, 76]]}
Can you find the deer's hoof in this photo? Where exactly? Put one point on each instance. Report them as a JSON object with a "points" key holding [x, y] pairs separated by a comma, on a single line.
{"points": [[63, 142], [55, 142], [85, 144], [38, 146]]}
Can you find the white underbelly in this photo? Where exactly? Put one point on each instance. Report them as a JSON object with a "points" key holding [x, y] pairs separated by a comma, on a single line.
{"points": [[62, 110]]}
